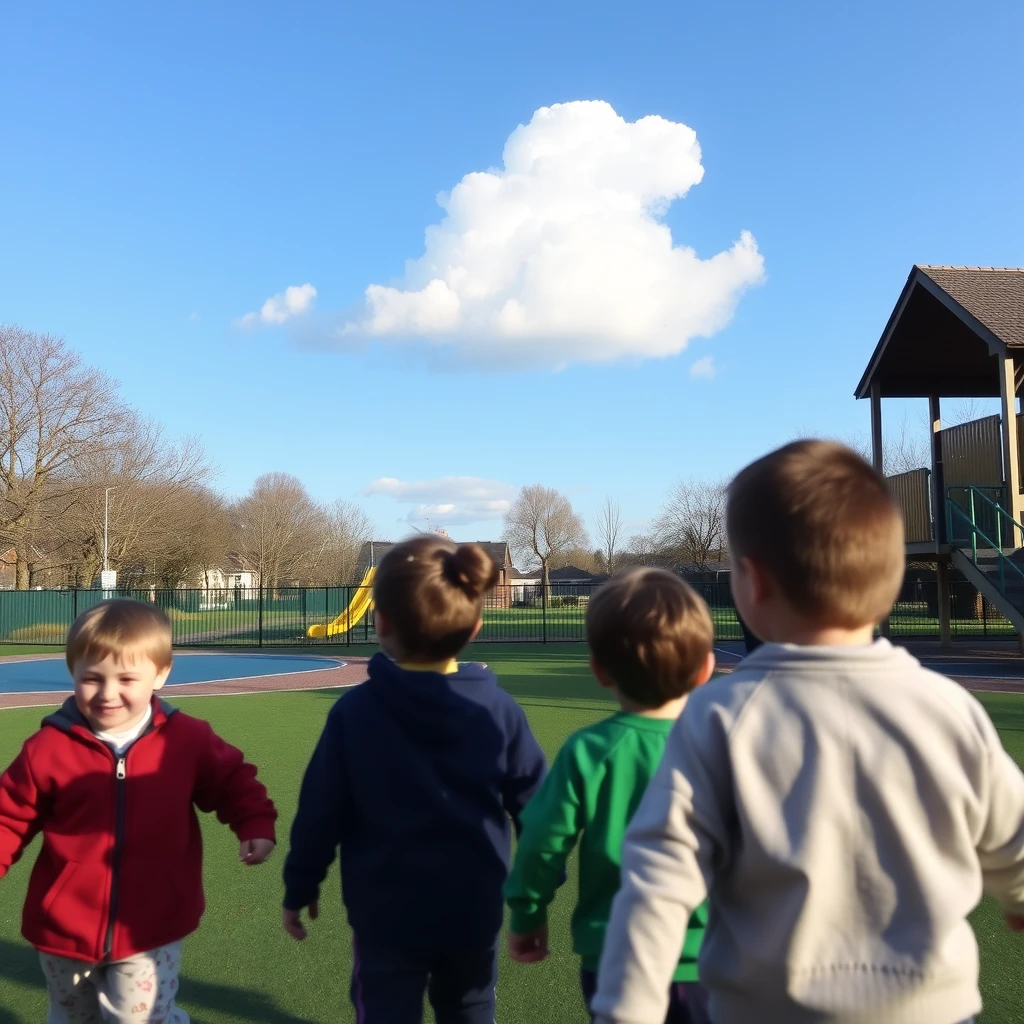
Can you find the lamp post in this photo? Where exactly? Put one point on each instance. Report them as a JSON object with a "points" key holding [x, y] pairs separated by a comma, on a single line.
{"points": [[106, 527]]}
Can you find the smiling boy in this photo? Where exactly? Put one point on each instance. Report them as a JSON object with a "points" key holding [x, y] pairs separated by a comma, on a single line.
{"points": [[112, 781]]}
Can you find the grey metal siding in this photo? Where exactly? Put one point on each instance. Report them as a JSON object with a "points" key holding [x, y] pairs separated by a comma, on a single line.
{"points": [[913, 492]]}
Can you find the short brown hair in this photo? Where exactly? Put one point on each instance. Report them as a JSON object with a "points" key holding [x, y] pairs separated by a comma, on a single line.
{"points": [[432, 593], [822, 522], [113, 627], [651, 633]]}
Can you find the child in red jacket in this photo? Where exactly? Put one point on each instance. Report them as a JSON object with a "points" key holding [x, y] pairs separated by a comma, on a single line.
{"points": [[112, 781]]}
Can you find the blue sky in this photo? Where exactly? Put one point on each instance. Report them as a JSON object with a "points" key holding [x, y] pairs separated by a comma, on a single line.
{"points": [[168, 169]]}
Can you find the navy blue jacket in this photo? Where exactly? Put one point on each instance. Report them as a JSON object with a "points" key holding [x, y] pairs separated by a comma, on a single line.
{"points": [[416, 776]]}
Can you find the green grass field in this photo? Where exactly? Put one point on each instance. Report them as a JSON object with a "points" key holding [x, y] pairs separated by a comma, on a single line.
{"points": [[241, 967]]}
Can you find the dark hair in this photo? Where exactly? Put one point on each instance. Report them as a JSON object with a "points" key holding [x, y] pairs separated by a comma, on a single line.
{"points": [[822, 522], [119, 626], [651, 633], [432, 594]]}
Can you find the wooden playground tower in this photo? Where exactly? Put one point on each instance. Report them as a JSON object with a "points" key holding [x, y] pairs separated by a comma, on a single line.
{"points": [[958, 332]]}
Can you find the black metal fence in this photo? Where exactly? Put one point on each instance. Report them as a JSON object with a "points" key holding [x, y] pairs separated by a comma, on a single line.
{"points": [[287, 617]]}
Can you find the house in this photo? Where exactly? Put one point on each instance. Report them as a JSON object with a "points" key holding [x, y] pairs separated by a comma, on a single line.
{"points": [[524, 587], [229, 575], [566, 581]]}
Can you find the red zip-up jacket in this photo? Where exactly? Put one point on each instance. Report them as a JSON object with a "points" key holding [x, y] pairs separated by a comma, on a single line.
{"points": [[120, 869]]}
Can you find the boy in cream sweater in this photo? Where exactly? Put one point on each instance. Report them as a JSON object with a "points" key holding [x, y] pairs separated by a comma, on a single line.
{"points": [[842, 806]]}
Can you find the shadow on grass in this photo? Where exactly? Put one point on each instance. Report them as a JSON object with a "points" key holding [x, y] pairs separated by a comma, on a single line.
{"points": [[19, 962]]}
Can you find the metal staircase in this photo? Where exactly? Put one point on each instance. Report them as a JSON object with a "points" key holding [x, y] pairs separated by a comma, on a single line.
{"points": [[987, 545]]}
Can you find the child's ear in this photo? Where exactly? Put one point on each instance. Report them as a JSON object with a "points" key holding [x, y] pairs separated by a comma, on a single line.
{"points": [[759, 580], [707, 671], [601, 676], [161, 678]]}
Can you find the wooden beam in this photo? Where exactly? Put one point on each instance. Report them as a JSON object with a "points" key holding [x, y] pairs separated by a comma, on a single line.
{"points": [[1011, 451], [938, 476], [876, 425]]}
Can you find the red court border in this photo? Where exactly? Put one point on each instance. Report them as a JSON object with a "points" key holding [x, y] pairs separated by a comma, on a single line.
{"points": [[972, 656]]}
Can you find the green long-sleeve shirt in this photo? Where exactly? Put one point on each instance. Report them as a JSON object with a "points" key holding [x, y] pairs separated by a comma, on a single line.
{"points": [[590, 795]]}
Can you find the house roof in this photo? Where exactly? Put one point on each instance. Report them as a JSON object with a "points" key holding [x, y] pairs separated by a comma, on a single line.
{"points": [[993, 295], [572, 573], [943, 331]]}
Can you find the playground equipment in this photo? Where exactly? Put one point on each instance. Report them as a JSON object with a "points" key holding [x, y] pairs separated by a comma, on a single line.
{"points": [[353, 614]]}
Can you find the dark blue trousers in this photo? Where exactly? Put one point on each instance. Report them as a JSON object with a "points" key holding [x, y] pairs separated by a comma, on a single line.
{"points": [[388, 984]]}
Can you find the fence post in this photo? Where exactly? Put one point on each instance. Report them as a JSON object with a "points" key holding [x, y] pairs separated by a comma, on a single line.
{"points": [[74, 604], [544, 607], [259, 642]]}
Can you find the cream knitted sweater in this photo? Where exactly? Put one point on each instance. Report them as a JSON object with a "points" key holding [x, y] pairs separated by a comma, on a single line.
{"points": [[844, 808]]}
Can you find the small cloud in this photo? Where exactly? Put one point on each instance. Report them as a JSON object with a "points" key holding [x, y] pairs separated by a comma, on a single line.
{"points": [[448, 501], [562, 254], [294, 301], [704, 369]]}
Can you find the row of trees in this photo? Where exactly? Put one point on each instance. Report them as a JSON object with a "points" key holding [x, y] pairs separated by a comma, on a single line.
{"points": [[75, 457], [73, 453], [542, 528]]}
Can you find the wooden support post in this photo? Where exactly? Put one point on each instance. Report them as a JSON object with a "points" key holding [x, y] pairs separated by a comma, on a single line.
{"points": [[1011, 451], [876, 425], [938, 476], [945, 618]]}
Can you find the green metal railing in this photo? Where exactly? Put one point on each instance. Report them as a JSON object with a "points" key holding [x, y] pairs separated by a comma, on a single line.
{"points": [[973, 516], [282, 617]]}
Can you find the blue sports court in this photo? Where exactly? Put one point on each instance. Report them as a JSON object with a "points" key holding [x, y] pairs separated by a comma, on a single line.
{"points": [[50, 674]]}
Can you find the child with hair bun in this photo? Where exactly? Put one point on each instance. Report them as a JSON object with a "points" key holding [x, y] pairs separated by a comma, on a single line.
{"points": [[417, 776]]}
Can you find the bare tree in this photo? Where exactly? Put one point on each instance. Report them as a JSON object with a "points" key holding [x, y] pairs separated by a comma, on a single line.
{"points": [[541, 523], [577, 557], [642, 549], [692, 521], [55, 412], [278, 529], [192, 539], [608, 529], [345, 529]]}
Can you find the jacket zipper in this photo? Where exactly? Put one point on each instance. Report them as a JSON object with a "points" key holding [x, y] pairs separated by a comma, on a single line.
{"points": [[120, 774]]}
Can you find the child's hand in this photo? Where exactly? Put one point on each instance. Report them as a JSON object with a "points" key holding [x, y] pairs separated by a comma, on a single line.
{"points": [[292, 920], [530, 948], [255, 851], [1015, 922]]}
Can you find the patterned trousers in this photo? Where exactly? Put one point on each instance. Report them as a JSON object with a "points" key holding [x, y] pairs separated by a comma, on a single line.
{"points": [[139, 990]]}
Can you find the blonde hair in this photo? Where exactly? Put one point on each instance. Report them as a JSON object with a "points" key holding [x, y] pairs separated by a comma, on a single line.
{"points": [[114, 627], [825, 526], [651, 633], [432, 593]]}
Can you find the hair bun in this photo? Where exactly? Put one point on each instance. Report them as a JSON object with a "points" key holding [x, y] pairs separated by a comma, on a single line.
{"points": [[471, 569]]}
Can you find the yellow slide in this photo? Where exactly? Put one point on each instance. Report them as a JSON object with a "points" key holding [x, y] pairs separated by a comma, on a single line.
{"points": [[353, 614]]}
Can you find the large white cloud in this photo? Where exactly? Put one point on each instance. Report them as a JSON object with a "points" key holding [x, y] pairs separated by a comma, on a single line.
{"points": [[449, 500], [561, 255], [295, 300]]}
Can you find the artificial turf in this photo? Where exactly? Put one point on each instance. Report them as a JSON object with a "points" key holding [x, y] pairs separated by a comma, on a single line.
{"points": [[241, 967]]}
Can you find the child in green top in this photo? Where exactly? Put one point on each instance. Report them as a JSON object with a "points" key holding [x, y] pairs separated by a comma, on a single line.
{"points": [[651, 640]]}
